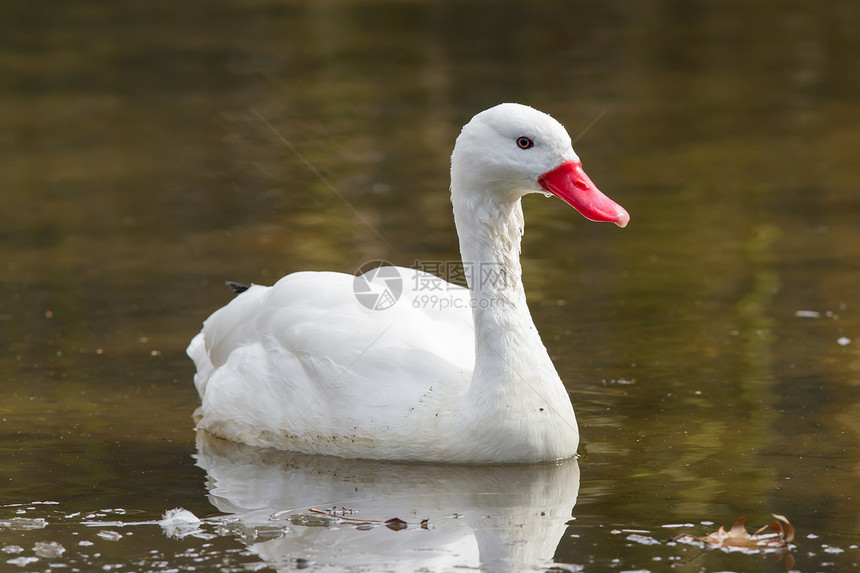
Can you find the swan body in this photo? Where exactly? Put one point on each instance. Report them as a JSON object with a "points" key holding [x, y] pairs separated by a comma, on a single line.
{"points": [[444, 373]]}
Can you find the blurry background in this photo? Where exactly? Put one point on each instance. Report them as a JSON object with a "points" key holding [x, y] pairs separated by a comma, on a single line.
{"points": [[146, 155]]}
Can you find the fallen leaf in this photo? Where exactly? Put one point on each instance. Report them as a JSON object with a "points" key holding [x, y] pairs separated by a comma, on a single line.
{"points": [[739, 539], [396, 524]]}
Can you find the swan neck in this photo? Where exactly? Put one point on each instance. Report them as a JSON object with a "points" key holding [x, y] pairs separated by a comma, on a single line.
{"points": [[490, 234], [506, 340]]}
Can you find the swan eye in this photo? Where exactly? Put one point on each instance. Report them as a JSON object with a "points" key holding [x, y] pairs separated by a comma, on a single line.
{"points": [[525, 143]]}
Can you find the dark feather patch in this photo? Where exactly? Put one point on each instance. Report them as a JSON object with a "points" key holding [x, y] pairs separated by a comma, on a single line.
{"points": [[237, 288]]}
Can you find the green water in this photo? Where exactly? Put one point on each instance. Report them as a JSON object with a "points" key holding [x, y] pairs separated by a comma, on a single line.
{"points": [[711, 349]]}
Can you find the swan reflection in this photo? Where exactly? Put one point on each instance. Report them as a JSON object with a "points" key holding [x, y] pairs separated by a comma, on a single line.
{"points": [[492, 517]]}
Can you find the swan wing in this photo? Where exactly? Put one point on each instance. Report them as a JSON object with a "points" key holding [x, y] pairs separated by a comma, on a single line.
{"points": [[308, 361]]}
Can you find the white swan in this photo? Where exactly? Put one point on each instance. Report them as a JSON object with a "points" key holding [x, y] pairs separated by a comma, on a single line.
{"points": [[305, 366]]}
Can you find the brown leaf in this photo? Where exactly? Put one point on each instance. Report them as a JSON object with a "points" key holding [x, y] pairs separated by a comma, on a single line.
{"points": [[784, 526], [396, 524], [739, 538]]}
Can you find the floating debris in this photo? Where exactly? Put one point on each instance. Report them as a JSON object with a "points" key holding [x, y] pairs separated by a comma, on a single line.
{"points": [[396, 524], [109, 535], [314, 520], [738, 539], [22, 561], [48, 549], [25, 523], [642, 539], [178, 523], [807, 313], [12, 549], [341, 514], [843, 341], [341, 511], [618, 381]]}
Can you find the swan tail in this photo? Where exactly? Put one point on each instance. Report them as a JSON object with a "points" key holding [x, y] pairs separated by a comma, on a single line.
{"points": [[237, 288], [197, 352]]}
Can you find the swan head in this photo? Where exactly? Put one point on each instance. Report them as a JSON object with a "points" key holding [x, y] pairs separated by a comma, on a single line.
{"points": [[511, 150]]}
